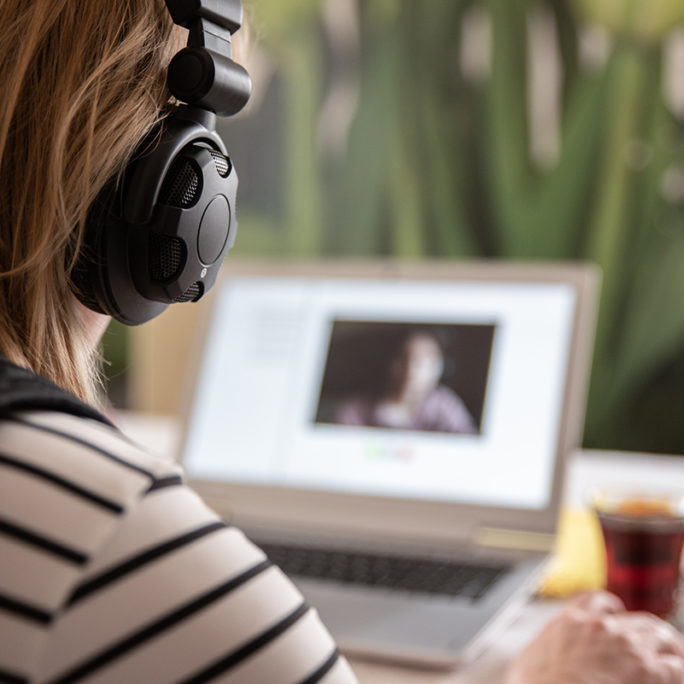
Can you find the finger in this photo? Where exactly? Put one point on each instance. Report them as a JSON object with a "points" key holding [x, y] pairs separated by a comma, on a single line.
{"points": [[672, 669], [666, 637], [598, 602], [658, 634]]}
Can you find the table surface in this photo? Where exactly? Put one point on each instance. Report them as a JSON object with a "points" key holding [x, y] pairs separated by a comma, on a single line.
{"points": [[587, 470]]}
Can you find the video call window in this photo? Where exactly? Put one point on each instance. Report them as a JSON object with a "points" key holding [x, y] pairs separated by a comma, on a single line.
{"points": [[406, 376]]}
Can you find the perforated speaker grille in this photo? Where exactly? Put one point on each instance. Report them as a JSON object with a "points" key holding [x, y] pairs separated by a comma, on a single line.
{"points": [[223, 165], [192, 294], [166, 256], [182, 186]]}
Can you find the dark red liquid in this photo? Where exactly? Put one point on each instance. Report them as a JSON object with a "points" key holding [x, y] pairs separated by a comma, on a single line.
{"points": [[642, 560]]}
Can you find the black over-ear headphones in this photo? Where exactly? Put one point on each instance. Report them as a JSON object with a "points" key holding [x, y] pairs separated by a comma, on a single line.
{"points": [[159, 234]]}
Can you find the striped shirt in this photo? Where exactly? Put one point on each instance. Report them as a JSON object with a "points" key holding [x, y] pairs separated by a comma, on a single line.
{"points": [[112, 571]]}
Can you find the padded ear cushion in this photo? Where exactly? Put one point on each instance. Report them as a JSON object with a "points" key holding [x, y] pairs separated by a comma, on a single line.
{"points": [[101, 279], [159, 236], [110, 277]]}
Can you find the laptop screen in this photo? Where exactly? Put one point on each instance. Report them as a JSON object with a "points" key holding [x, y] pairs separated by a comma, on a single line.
{"points": [[441, 390]]}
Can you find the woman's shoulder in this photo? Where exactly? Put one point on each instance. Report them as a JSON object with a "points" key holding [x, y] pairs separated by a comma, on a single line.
{"points": [[445, 396], [447, 411], [66, 483], [82, 449], [125, 564]]}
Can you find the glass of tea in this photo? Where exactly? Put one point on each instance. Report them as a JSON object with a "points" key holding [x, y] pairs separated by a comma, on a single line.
{"points": [[643, 535]]}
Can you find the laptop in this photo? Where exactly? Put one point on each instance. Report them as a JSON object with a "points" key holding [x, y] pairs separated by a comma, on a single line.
{"points": [[393, 434]]}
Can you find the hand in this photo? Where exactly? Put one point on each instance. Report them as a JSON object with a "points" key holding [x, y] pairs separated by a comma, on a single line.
{"points": [[595, 641]]}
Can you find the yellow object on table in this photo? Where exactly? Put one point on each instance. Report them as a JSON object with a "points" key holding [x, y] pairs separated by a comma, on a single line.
{"points": [[578, 563]]}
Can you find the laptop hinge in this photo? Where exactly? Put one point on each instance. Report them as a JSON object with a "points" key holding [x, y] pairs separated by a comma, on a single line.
{"points": [[514, 539]]}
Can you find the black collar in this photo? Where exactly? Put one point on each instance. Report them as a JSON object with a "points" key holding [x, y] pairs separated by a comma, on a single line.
{"points": [[22, 390]]}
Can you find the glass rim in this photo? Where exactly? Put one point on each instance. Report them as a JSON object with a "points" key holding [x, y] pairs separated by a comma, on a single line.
{"points": [[666, 507]]}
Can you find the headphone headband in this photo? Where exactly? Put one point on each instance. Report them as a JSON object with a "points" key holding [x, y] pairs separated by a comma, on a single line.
{"points": [[224, 13]]}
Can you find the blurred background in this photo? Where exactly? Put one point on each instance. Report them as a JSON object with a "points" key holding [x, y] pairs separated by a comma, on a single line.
{"points": [[516, 129]]}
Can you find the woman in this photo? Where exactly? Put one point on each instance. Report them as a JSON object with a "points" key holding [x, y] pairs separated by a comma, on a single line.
{"points": [[111, 569], [411, 396]]}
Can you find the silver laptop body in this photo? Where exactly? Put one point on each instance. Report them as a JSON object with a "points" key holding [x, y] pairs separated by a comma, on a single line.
{"points": [[268, 446]]}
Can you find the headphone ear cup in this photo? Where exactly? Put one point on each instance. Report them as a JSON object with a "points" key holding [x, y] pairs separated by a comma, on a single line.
{"points": [[160, 235], [101, 278]]}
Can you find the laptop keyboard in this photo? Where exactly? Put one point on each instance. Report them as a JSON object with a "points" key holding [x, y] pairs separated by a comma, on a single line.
{"points": [[428, 576]]}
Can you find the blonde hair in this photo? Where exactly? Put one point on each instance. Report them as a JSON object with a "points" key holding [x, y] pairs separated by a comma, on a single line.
{"points": [[82, 81]]}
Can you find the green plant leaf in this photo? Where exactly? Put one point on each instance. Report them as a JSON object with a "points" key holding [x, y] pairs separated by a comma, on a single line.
{"points": [[648, 21]]}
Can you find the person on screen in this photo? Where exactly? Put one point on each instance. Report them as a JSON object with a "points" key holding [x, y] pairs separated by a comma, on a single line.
{"points": [[412, 397], [111, 568]]}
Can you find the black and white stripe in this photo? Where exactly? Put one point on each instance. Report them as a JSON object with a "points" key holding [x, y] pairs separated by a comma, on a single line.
{"points": [[112, 570], [143, 558], [7, 462]]}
